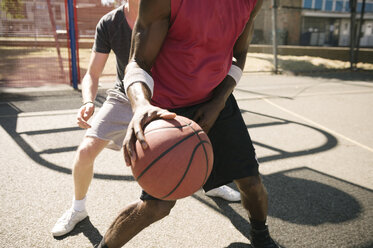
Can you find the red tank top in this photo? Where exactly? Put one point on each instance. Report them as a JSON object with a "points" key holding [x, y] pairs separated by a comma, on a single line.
{"points": [[197, 52]]}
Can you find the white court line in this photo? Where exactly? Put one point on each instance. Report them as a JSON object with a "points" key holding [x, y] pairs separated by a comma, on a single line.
{"points": [[319, 126], [44, 113]]}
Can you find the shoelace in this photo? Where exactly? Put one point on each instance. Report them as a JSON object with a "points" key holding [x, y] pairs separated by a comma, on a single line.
{"points": [[64, 219]]}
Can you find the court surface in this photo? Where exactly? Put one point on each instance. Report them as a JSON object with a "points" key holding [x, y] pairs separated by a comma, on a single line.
{"points": [[313, 136]]}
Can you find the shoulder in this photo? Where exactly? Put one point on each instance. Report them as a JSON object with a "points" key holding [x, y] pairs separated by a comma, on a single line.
{"points": [[151, 10], [114, 17]]}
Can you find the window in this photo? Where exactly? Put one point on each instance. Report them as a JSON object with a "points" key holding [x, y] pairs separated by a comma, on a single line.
{"points": [[339, 6], [329, 5], [347, 6], [359, 7], [369, 7], [307, 4], [318, 4]]}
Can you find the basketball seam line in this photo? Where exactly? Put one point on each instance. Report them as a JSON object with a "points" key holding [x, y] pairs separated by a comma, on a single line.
{"points": [[187, 169], [163, 154], [164, 128], [204, 149]]}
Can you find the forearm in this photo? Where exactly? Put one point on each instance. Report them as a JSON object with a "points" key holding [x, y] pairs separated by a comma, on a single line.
{"points": [[239, 59], [226, 87], [139, 95], [222, 92], [89, 87]]}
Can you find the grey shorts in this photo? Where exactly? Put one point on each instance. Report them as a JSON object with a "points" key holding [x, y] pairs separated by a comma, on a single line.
{"points": [[112, 119]]}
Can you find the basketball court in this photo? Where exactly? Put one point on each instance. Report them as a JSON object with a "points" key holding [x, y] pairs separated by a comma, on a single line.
{"points": [[313, 136]]}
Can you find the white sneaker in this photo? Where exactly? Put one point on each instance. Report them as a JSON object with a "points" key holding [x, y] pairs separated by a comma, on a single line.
{"points": [[68, 221], [226, 193]]}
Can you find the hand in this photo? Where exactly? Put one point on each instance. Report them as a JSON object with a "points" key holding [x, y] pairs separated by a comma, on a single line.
{"points": [[85, 112], [142, 116], [206, 115]]}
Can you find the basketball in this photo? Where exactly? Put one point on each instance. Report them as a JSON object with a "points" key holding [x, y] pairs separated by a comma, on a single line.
{"points": [[178, 159]]}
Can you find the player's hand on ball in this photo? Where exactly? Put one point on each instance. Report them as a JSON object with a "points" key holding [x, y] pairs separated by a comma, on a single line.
{"points": [[142, 115], [85, 112]]}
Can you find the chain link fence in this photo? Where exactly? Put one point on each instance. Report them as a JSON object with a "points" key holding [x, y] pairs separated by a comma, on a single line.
{"points": [[33, 44]]}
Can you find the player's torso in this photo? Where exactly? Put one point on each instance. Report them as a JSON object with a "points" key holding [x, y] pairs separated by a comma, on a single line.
{"points": [[198, 49], [210, 24]]}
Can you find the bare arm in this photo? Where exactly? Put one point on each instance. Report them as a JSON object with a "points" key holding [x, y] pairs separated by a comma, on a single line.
{"points": [[240, 48], [150, 30], [242, 44], [90, 87], [208, 113], [148, 35]]}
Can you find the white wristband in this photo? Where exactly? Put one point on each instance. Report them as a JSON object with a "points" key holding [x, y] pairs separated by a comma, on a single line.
{"points": [[134, 74], [235, 72]]}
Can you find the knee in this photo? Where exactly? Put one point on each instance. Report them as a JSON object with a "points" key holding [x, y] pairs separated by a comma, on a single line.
{"points": [[85, 154], [156, 209]]}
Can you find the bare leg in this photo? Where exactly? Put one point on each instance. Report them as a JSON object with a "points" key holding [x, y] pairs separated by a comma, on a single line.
{"points": [[83, 164], [134, 218], [254, 197], [82, 174]]}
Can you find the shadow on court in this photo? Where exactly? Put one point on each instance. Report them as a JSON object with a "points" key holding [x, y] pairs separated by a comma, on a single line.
{"points": [[304, 197], [88, 229], [299, 197], [306, 68], [10, 123]]}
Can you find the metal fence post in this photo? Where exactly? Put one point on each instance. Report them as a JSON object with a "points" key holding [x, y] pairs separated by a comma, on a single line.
{"points": [[352, 33], [359, 33], [274, 34], [72, 35]]}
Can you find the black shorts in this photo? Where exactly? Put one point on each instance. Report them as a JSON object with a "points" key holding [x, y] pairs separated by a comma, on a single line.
{"points": [[234, 154]]}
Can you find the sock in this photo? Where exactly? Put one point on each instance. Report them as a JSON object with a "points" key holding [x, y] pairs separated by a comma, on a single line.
{"points": [[79, 205], [258, 224]]}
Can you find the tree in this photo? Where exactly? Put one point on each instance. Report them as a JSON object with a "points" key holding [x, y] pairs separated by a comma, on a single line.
{"points": [[13, 8]]}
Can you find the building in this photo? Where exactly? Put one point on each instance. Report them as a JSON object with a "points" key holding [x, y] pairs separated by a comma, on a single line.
{"points": [[288, 23], [327, 23], [313, 23]]}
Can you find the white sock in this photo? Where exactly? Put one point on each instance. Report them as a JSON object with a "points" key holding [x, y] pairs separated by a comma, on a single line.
{"points": [[79, 205]]}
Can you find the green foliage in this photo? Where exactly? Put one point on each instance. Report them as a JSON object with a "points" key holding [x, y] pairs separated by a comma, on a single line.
{"points": [[13, 8]]}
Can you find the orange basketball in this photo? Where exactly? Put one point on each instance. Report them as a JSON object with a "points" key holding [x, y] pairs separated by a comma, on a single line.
{"points": [[178, 159]]}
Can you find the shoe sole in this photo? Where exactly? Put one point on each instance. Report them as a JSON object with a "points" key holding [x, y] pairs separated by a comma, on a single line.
{"points": [[67, 232]]}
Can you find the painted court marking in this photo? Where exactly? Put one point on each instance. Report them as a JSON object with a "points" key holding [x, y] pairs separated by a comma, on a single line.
{"points": [[44, 113], [318, 125]]}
